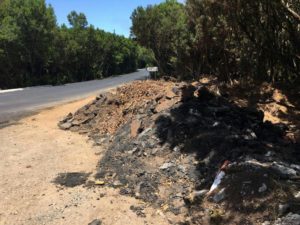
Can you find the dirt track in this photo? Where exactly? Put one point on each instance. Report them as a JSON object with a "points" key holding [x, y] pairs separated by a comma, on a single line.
{"points": [[33, 153]]}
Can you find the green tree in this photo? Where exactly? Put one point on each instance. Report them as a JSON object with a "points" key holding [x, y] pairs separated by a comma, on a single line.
{"points": [[77, 20], [26, 40], [163, 29], [250, 40]]}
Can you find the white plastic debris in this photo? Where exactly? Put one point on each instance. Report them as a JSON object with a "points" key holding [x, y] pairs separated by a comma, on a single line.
{"points": [[200, 193], [216, 124], [217, 181]]}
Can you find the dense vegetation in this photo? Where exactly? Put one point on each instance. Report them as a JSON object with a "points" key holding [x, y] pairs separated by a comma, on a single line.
{"points": [[246, 40], [35, 50]]}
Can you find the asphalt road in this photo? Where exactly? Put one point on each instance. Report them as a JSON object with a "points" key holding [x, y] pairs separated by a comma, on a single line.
{"points": [[17, 103]]}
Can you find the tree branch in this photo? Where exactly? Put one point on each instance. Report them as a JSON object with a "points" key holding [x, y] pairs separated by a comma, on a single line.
{"points": [[291, 11]]}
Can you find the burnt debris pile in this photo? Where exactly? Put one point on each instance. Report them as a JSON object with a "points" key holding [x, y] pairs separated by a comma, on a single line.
{"points": [[188, 150]]}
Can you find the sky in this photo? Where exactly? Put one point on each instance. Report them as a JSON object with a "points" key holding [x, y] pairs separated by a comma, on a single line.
{"points": [[109, 15]]}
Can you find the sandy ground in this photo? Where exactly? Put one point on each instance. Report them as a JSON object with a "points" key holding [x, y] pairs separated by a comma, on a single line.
{"points": [[33, 153]]}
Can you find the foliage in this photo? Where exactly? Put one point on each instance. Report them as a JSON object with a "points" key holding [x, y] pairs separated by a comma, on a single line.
{"points": [[34, 50], [163, 29], [145, 57], [246, 40], [27, 30]]}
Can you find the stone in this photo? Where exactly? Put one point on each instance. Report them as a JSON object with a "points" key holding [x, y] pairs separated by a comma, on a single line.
{"points": [[135, 149], [164, 105], [154, 151], [295, 166], [170, 94], [67, 118], [95, 222], [182, 168], [65, 126], [166, 166], [76, 122], [266, 223], [289, 219], [176, 149], [283, 208], [135, 128], [263, 188], [284, 170], [117, 183], [297, 195], [269, 154]]}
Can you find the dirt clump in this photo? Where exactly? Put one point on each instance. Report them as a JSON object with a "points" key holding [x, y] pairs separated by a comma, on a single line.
{"points": [[111, 110], [166, 143]]}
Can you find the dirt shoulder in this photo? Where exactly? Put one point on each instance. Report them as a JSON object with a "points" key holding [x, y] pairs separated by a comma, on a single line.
{"points": [[34, 153]]}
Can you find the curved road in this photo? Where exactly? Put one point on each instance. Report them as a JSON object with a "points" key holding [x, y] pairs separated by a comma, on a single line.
{"points": [[20, 102]]}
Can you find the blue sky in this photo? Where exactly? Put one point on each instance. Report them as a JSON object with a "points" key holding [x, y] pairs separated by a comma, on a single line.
{"points": [[108, 15]]}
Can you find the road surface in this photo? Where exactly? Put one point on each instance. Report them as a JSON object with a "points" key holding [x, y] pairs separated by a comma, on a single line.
{"points": [[19, 102]]}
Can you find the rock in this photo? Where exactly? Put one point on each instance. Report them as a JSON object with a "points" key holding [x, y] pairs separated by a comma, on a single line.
{"points": [[284, 170], [219, 196], [138, 210], [269, 154], [154, 151], [283, 208], [295, 166], [135, 149], [182, 168], [289, 219], [67, 118], [76, 122], [164, 105], [176, 149], [170, 94], [297, 195], [166, 166], [266, 223], [95, 222], [145, 132], [117, 183], [65, 126], [263, 188], [176, 90], [135, 128]]}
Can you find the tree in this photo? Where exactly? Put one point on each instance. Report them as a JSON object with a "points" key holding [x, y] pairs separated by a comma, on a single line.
{"points": [[245, 40], [77, 20], [163, 29], [27, 33], [256, 40], [34, 50]]}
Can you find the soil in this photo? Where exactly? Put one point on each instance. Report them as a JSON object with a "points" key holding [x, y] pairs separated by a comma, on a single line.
{"points": [[36, 157]]}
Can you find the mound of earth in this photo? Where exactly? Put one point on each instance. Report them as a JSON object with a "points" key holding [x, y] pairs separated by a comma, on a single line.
{"points": [[166, 143]]}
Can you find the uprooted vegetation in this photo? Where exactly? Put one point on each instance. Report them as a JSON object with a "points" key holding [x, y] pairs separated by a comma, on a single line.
{"points": [[166, 142]]}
